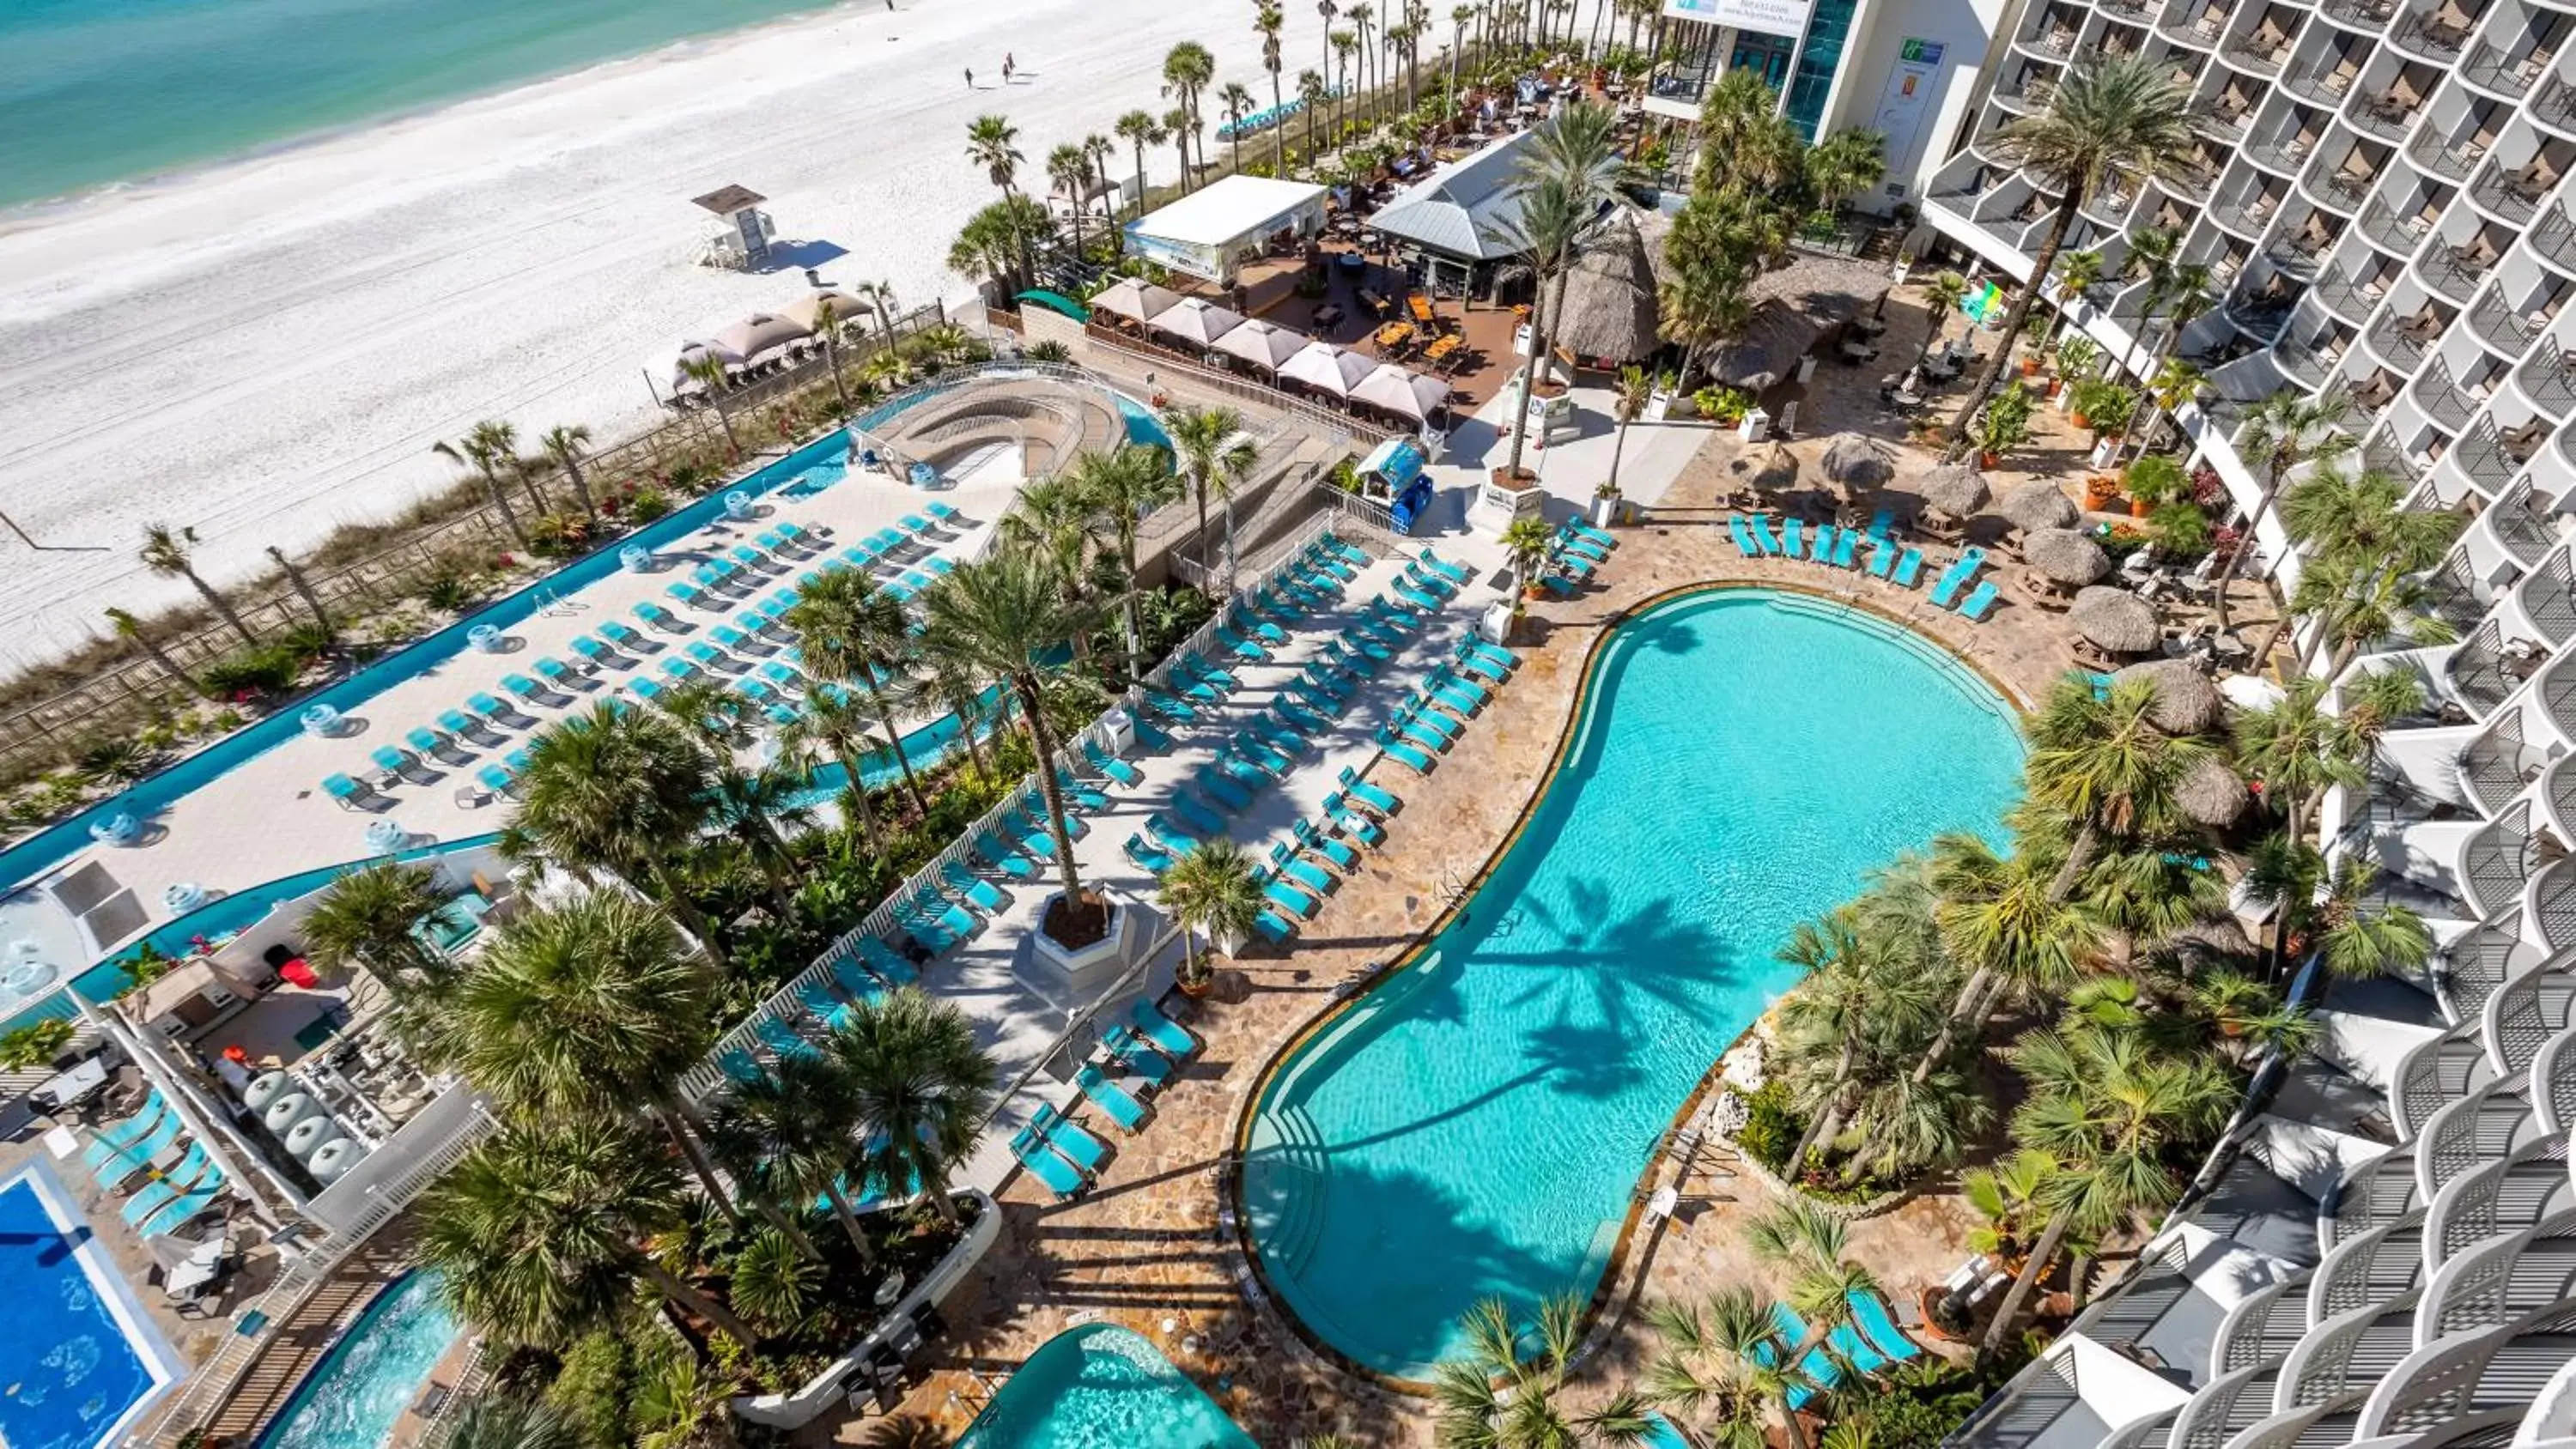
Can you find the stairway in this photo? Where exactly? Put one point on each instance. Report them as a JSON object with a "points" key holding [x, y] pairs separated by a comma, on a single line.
{"points": [[296, 1343]]}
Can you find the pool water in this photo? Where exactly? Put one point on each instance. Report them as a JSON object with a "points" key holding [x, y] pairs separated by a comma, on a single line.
{"points": [[1101, 1387], [1476, 1125], [80, 1360], [353, 1399]]}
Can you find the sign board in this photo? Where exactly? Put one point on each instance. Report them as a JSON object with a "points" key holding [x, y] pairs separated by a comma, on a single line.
{"points": [[1770, 17], [1907, 102]]}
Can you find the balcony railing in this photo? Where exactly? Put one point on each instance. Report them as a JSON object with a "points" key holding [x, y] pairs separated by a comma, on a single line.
{"points": [[2314, 366], [2262, 317], [2481, 454], [2453, 273], [2340, 188], [2190, 179], [2554, 239], [2385, 114], [2342, 298], [2507, 75], [2057, 40], [2435, 40], [2200, 32], [2548, 378], [2442, 399], [2522, 532], [2247, 53], [2284, 150], [2248, 214], [2510, 197], [2504, 329], [2400, 341], [2220, 122], [2319, 81], [2555, 106], [2362, 14], [2437, 154], [2399, 234], [2128, 9]]}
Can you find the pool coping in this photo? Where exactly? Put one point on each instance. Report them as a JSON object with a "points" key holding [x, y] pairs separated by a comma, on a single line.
{"points": [[337, 1341], [143, 1337], [1613, 1268]]}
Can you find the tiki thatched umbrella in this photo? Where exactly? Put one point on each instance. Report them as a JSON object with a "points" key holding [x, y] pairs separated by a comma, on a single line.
{"points": [[2186, 702], [1856, 462], [1610, 308], [2206, 944], [1778, 473], [2114, 621], [1954, 490], [2061, 558], [2211, 794], [2039, 504]]}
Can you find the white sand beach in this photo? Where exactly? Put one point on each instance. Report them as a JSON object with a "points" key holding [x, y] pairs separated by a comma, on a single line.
{"points": [[265, 349]]}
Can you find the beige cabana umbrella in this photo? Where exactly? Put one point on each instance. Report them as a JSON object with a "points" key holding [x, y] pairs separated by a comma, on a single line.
{"points": [[1407, 394], [2211, 793], [1855, 462], [807, 311], [2039, 504], [1135, 300], [2061, 558], [2186, 702], [690, 352], [761, 337], [1195, 320], [2114, 621], [1335, 370], [1263, 344], [1954, 490]]}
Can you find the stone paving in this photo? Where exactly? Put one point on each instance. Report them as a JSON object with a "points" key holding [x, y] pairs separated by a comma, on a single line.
{"points": [[1145, 1247]]}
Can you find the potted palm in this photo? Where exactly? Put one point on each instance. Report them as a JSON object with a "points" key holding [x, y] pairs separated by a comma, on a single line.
{"points": [[1213, 888], [2003, 426], [2154, 481], [2076, 355], [1526, 540]]}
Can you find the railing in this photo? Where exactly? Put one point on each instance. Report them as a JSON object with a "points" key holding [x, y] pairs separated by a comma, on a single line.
{"points": [[2437, 154], [2490, 67], [2319, 82], [2362, 14], [2500, 195], [2550, 380], [2441, 398]]}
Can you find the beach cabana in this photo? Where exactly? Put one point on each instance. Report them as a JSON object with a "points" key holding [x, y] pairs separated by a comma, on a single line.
{"points": [[1853, 462], [1196, 321], [1953, 492], [1406, 394], [1328, 369], [1263, 344], [2186, 702], [762, 338], [2038, 504], [807, 311], [1137, 301], [682, 384], [1215, 229], [2110, 623], [2059, 561]]}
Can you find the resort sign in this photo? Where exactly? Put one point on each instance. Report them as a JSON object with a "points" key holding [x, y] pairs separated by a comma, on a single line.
{"points": [[1771, 17]]}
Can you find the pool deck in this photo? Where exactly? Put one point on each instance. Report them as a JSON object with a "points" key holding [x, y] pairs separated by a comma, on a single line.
{"points": [[1144, 1246]]}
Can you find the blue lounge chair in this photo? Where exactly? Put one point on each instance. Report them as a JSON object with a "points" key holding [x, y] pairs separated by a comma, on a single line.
{"points": [[886, 962], [125, 1161], [1404, 754], [1002, 858], [461, 725], [149, 1198], [117, 1136], [1368, 794], [1077, 794], [781, 1039], [1317, 842], [493, 709], [1168, 1036], [1882, 559], [689, 594], [1072, 1139], [1414, 596], [1042, 1163], [425, 741], [1568, 541], [980, 893], [1822, 551], [1154, 858], [1111, 1098], [1909, 568], [1947, 587], [1137, 1055], [1197, 816], [346, 790], [1455, 573], [1110, 765], [590, 649], [1175, 840], [1274, 928], [1869, 1314], [1795, 531], [624, 637], [1762, 534], [1744, 545], [1304, 873], [1980, 601], [496, 778], [1359, 827], [1213, 783], [1846, 549], [659, 617], [1290, 898], [196, 1200], [1585, 530], [392, 761]]}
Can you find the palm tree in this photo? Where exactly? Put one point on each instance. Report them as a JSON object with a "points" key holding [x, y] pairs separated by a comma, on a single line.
{"points": [[680, 1403], [1139, 130], [1722, 1367], [591, 1006], [621, 793], [2358, 600], [1313, 91], [2283, 432], [1460, 17], [484, 448], [709, 373], [992, 142], [1941, 297], [1208, 449], [1235, 103], [1327, 9], [1572, 169], [1845, 164], [166, 552], [1212, 888], [1269, 21], [1187, 70], [130, 629], [303, 588], [564, 445], [1858, 990], [1344, 45], [2117, 114], [921, 1089], [1628, 399], [365, 918], [1801, 1241], [1006, 618], [2000, 918], [2074, 275], [1100, 148], [856, 631], [1490, 1397], [537, 1231], [504, 1420], [1177, 125], [1121, 487], [1526, 541], [2329, 907], [757, 808], [1361, 16], [1069, 168], [2098, 759], [788, 1133], [880, 299], [2298, 749]]}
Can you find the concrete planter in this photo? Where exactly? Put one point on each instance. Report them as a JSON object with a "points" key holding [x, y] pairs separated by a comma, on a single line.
{"points": [[1101, 959], [824, 1391]]}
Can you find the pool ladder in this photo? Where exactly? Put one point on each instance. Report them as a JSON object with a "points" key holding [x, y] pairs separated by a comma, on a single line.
{"points": [[1453, 887]]}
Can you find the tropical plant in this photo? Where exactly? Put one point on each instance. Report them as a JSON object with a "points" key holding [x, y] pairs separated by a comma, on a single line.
{"points": [[621, 793], [2298, 749], [1069, 168], [365, 919], [2330, 908], [830, 722], [856, 632], [921, 1089], [787, 1133], [2002, 919], [1869, 998], [1215, 889], [538, 1233], [2357, 600], [1845, 164], [2117, 114], [502, 1420], [1187, 70], [774, 1280], [2005, 423], [681, 1403], [1492, 1397], [1628, 399], [1720, 1366], [2282, 433], [757, 807], [1941, 297], [2098, 759], [1526, 541], [168, 552], [992, 142], [1209, 450], [564, 445], [707, 372], [35, 1044], [1571, 169], [130, 629]]}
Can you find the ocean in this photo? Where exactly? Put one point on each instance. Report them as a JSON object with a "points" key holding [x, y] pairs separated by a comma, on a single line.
{"points": [[98, 92]]}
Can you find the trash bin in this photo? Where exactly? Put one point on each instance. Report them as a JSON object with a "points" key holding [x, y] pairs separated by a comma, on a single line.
{"points": [[1120, 727]]}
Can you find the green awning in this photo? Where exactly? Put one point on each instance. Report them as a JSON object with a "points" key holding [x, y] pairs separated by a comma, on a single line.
{"points": [[1057, 302]]}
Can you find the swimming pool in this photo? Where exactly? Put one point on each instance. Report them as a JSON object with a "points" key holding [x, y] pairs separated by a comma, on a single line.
{"points": [[1476, 1125], [1101, 1386], [353, 1398], [81, 1359]]}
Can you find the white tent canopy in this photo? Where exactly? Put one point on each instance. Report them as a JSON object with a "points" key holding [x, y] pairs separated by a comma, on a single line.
{"points": [[1334, 369], [1197, 320], [1265, 344], [1134, 300], [1398, 391], [1208, 231]]}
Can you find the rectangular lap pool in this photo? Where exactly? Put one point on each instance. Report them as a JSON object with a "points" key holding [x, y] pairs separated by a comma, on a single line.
{"points": [[80, 1360]]}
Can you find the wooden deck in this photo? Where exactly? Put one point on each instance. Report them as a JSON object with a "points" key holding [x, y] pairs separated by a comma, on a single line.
{"points": [[294, 1345]]}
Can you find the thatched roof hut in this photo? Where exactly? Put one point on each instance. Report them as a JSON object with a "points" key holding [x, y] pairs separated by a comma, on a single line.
{"points": [[2211, 793], [1610, 308], [2065, 558], [1954, 489], [2187, 703], [2039, 504], [2114, 620], [1857, 462], [1778, 473]]}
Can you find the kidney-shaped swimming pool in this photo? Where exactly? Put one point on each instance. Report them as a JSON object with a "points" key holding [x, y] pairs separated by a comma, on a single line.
{"points": [[1475, 1126]]}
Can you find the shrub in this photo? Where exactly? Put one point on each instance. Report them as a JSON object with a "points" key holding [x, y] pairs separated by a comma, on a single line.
{"points": [[34, 1044], [447, 590], [652, 503], [1049, 350], [1771, 1126], [268, 669], [1724, 406], [597, 1380]]}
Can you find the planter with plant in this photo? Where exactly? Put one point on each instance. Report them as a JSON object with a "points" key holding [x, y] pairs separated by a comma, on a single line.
{"points": [[2102, 407], [2076, 355], [2153, 482], [1724, 406], [1526, 541], [2003, 425]]}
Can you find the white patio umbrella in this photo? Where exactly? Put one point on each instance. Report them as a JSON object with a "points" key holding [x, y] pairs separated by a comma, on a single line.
{"points": [[1264, 344], [805, 311], [1135, 300], [1197, 321], [762, 336], [1399, 391], [1336, 370], [689, 352]]}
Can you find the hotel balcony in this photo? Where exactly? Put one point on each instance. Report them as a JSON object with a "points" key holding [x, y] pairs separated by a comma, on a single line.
{"points": [[2403, 341], [2139, 11], [2481, 455], [2548, 378], [2195, 23], [2515, 195], [2553, 239], [2554, 106], [2386, 111], [2510, 73], [2261, 313], [2399, 236], [2262, 50], [2442, 400], [2453, 161], [2344, 185], [2455, 270], [2436, 34], [2371, 16], [2329, 78], [2225, 117], [2301, 254], [2313, 364], [2053, 32]]}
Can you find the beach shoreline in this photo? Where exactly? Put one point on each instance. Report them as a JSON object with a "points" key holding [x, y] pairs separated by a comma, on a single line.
{"points": [[265, 348]]}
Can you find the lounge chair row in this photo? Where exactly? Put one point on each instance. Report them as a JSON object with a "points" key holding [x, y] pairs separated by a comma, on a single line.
{"points": [[1576, 552], [136, 1155], [1147, 1049], [1898, 564]]}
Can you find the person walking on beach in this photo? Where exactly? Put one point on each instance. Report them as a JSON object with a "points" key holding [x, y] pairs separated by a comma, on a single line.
{"points": [[1006, 67], [970, 77]]}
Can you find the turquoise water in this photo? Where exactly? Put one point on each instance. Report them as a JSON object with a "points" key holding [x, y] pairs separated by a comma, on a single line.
{"points": [[1101, 1387], [74, 1377], [1476, 1125], [96, 91], [352, 1400]]}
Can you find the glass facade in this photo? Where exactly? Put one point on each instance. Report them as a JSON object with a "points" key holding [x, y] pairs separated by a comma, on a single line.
{"points": [[1823, 53]]}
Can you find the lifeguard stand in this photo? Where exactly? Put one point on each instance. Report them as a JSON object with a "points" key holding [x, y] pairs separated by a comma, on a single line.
{"points": [[744, 244]]}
